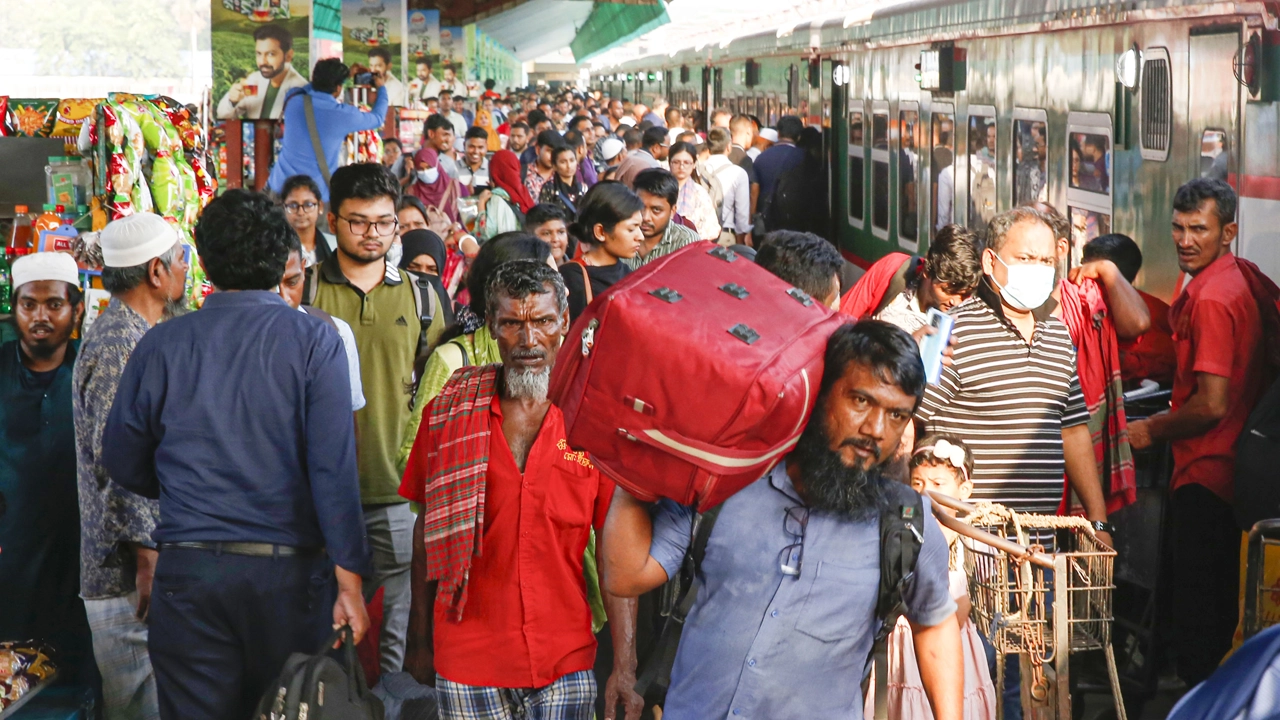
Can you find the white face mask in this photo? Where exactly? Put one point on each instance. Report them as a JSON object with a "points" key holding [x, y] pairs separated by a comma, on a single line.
{"points": [[1028, 286], [430, 175], [395, 253]]}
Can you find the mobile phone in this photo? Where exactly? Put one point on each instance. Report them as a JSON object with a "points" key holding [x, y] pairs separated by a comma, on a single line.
{"points": [[932, 346], [364, 78]]}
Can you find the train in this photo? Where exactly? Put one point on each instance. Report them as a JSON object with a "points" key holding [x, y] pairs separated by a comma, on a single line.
{"points": [[935, 112]]}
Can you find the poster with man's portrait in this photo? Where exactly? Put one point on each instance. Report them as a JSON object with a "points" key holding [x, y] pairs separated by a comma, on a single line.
{"points": [[373, 36], [260, 52]]}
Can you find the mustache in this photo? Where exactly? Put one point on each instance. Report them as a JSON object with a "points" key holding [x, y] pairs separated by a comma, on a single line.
{"points": [[528, 355], [863, 445], [42, 326]]}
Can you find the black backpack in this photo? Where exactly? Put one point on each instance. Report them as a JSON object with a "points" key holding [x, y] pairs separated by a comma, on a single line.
{"points": [[317, 687], [1257, 494], [901, 533]]}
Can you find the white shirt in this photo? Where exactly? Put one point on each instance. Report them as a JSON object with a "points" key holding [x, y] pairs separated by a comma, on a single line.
{"points": [[396, 94], [459, 123], [735, 212], [250, 106], [473, 179], [353, 360], [754, 153], [421, 91], [904, 311], [946, 195]]}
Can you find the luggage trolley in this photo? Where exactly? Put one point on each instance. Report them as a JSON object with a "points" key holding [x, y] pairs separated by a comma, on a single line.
{"points": [[1044, 597]]}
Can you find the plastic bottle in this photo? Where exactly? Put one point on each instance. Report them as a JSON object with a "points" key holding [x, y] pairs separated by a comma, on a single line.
{"points": [[48, 220], [6, 288], [21, 241]]}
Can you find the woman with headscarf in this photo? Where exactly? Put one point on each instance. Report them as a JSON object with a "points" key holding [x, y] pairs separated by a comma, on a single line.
{"points": [[435, 187], [424, 253], [564, 188], [502, 209]]}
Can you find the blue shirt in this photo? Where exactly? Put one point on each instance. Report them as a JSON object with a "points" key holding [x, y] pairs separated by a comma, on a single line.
{"points": [[334, 122], [775, 161], [761, 644], [238, 417]]}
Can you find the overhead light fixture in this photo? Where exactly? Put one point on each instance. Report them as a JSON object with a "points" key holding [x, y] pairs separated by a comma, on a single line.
{"points": [[1127, 67]]}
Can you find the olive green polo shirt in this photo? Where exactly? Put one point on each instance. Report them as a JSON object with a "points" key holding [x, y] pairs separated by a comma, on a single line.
{"points": [[386, 326]]}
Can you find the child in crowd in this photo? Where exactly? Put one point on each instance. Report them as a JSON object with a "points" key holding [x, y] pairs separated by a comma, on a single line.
{"points": [[943, 464]]}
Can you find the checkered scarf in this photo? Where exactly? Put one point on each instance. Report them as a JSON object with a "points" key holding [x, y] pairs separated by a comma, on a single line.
{"points": [[454, 463]]}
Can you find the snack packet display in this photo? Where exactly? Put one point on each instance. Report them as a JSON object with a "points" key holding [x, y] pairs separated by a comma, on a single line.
{"points": [[23, 666], [8, 126], [34, 116], [166, 186], [71, 115], [192, 135], [206, 185]]}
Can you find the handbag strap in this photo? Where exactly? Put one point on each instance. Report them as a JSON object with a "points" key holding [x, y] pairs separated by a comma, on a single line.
{"points": [[309, 109], [586, 279]]}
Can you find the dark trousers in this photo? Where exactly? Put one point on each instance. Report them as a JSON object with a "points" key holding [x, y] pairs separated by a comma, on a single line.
{"points": [[222, 626], [1206, 580]]}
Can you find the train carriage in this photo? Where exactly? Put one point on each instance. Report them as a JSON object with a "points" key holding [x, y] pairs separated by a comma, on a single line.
{"points": [[938, 112]]}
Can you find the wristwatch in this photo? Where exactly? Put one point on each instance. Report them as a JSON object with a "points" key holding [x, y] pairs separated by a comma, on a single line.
{"points": [[1102, 526]]}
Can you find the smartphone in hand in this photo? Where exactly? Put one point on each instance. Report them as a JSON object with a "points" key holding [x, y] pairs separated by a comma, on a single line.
{"points": [[933, 345]]}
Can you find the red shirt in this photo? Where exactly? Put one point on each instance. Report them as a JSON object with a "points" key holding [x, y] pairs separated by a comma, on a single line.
{"points": [[1151, 354], [527, 621], [1217, 329]]}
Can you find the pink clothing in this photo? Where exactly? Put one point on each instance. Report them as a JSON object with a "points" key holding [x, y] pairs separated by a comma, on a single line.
{"points": [[907, 699]]}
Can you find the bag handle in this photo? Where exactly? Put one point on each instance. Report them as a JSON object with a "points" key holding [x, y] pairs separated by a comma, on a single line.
{"points": [[309, 109], [712, 458], [354, 669], [586, 279]]}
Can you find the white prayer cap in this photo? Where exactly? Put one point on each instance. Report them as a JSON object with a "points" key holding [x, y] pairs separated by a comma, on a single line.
{"points": [[610, 147], [627, 120], [135, 239], [45, 266], [769, 134]]}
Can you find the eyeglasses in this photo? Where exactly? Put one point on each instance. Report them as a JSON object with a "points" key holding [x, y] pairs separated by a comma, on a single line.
{"points": [[361, 227], [293, 208], [794, 523]]}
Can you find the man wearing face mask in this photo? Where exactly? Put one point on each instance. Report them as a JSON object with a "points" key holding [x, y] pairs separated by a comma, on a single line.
{"points": [[1012, 392]]}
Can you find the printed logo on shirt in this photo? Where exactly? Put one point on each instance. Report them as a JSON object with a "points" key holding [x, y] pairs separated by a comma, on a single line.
{"points": [[574, 456], [402, 322]]}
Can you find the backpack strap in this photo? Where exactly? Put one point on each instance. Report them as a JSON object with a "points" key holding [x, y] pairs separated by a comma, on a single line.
{"points": [[317, 312], [901, 535], [654, 678], [310, 284], [426, 304], [309, 109]]}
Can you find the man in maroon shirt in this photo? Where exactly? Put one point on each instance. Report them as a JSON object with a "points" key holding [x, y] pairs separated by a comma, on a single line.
{"points": [[1217, 331], [499, 621]]}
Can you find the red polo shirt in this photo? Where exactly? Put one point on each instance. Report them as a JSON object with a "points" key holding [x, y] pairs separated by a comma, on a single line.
{"points": [[527, 621], [1217, 329], [1151, 354]]}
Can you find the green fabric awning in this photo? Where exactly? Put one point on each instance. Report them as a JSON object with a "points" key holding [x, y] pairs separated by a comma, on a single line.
{"points": [[611, 24]]}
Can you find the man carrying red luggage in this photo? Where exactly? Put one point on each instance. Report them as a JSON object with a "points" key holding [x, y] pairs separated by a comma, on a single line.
{"points": [[499, 621], [786, 613]]}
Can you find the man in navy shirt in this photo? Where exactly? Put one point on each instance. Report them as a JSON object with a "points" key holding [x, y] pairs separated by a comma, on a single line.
{"points": [[780, 158], [784, 620], [238, 418]]}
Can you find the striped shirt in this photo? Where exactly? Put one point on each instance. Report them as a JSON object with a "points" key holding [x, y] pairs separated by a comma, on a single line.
{"points": [[1008, 401]]}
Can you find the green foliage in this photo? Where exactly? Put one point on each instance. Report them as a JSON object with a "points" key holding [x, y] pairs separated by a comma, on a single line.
{"points": [[125, 38]]}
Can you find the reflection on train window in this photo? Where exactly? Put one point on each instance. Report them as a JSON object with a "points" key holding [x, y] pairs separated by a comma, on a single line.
{"points": [[943, 169], [880, 131], [855, 127], [880, 194], [982, 171], [855, 187], [908, 168], [1090, 162], [1031, 168], [1085, 226], [1214, 155]]}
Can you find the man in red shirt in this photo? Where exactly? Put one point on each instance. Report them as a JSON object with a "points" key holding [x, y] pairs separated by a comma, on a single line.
{"points": [[499, 621], [1151, 354], [1217, 331]]}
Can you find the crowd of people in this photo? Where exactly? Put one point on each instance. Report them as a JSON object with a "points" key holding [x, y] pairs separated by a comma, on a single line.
{"points": [[362, 407]]}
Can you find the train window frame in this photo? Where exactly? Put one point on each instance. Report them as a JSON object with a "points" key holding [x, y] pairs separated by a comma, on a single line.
{"points": [[1027, 115], [1145, 94], [1082, 202], [948, 109], [906, 106], [986, 112], [881, 155], [859, 151]]}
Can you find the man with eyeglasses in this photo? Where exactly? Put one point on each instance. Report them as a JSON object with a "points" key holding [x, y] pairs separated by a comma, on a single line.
{"points": [[376, 299], [784, 621]]}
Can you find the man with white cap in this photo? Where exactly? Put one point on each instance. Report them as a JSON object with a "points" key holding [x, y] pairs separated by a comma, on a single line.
{"points": [[40, 535], [145, 270], [764, 140], [611, 152]]}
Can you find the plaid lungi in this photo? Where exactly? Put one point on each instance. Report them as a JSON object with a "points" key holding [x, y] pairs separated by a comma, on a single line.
{"points": [[572, 697]]}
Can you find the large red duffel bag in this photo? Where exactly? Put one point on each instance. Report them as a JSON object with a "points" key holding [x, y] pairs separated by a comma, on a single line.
{"points": [[692, 377]]}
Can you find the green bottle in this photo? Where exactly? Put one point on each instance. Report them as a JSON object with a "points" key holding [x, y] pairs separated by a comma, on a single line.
{"points": [[6, 288]]}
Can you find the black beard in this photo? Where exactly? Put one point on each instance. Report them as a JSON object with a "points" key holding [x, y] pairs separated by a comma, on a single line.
{"points": [[853, 493]]}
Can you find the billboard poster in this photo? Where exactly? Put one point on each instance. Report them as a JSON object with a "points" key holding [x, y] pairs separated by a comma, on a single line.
{"points": [[373, 36], [260, 51], [422, 53], [453, 49]]}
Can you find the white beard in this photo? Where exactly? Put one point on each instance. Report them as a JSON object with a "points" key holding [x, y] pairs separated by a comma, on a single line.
{"points": [[527, 384]]}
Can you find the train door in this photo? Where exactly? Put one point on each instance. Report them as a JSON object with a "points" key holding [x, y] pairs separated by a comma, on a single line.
{"points": [[1214, 105]]}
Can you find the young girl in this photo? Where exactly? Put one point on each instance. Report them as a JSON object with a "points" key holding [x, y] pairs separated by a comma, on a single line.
{"points": [[943, 464]]}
